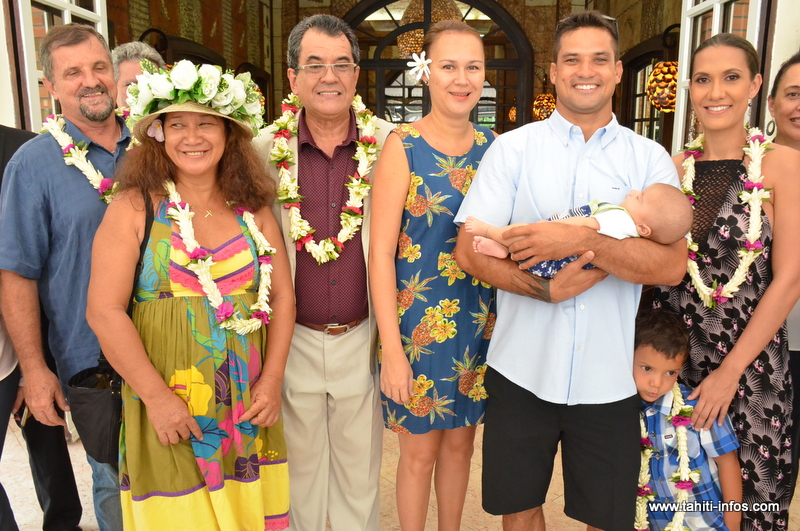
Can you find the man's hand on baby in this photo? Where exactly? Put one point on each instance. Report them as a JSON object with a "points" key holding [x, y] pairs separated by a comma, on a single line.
{"points": [[545, 241], [572, 279]]}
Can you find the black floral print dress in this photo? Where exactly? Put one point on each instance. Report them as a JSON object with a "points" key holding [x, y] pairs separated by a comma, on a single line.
{"points": [[761, 408]]}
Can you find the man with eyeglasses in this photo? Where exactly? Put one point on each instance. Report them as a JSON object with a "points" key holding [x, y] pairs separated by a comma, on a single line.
{"points": [[560, 360], [331, 395]]}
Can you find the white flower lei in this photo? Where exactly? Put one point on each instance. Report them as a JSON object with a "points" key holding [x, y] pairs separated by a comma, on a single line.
{"points": [[645, 493], [77, 155], [201, 262], [753, 196], [352, 215], [685, 479]]}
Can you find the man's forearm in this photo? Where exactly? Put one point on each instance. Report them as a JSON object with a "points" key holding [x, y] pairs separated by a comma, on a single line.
{"points": [[639, 260], [19, 299], [635, 260], [503, 274]]}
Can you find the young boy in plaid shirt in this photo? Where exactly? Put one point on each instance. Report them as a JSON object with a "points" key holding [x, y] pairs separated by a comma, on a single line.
{"points": [[661, 347]]}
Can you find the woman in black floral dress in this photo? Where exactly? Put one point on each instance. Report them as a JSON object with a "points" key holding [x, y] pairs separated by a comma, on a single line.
{"points": [[743, 275]]}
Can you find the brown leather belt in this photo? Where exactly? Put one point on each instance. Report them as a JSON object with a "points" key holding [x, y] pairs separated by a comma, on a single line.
{"points": [[333, 329]]}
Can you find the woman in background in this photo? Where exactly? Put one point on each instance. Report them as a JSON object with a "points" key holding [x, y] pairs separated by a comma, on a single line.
{"points": [[784, 106]]}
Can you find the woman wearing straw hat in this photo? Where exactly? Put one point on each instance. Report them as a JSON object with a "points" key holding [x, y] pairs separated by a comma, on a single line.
{"points": [[201, 446]]}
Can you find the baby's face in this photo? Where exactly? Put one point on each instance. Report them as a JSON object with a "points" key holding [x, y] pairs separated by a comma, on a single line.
{"points": [[640, 205]]}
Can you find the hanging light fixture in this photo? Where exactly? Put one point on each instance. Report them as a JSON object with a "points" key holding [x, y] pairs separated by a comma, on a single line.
{"points": [[512, 112], [411, 41], [662, 85], [543, 106]]}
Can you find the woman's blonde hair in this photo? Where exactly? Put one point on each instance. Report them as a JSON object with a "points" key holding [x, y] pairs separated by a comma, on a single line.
{"points": [[446, 25]]}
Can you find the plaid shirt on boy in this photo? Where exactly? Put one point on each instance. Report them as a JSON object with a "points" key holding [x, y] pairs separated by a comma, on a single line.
{"points": [[703, 446]]}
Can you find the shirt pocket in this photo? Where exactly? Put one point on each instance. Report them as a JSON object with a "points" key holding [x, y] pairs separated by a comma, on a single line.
{"points": [[613, 193], [670, 440]]}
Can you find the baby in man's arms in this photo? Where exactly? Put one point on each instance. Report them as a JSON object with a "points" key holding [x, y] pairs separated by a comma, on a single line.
{"points": [[660, 212]]}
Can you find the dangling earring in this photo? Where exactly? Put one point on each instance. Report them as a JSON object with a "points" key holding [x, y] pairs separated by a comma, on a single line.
{"points": [[747, 115], [770, 130], [692, 121]]}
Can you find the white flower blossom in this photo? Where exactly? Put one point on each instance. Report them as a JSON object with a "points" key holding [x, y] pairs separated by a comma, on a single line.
{"points": [[209, 82], [139, 104], [224, 98], [253, 108], [161, 86], [419, 66], [239, 93], [183, 75]]}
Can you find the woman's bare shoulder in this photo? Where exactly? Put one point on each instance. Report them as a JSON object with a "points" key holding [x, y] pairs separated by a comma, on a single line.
{"points": [[780, 163]]}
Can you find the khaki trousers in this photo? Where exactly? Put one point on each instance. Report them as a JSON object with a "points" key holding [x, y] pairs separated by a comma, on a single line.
{"points": [[334, 428]]}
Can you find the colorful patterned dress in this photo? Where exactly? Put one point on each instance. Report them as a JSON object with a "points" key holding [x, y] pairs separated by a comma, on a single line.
{"points": [[237, 476], [761, 408], [446, 315]]}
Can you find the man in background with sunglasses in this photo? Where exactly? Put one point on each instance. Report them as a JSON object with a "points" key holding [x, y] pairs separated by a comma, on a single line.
{"points": [[331, 395]]}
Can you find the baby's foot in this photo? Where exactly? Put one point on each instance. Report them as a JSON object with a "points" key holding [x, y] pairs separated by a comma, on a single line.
{"points": [[469, 225], [489, 247], [477, 227]]}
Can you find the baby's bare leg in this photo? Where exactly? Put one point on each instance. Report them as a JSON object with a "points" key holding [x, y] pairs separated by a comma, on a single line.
{"points": [[489, 247], [477, 227]]}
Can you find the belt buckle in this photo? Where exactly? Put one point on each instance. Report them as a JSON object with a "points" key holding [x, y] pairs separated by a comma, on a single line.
{"points": [[327, 330]]}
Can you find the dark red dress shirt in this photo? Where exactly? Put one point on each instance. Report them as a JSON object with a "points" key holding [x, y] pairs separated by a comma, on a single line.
{"points": [[334, 292]]}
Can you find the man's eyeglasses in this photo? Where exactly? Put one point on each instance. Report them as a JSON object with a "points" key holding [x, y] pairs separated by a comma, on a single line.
{"points": [[339, 69]]}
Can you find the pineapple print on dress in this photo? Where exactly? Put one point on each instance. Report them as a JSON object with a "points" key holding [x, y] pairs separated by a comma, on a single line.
{"points": [[485, 319], [392, 421], [413, 290], [460, 177], [406, 247], [443, 311], [435, 325], [422, 405], [404, 130], [469, 376], [427, 205]]}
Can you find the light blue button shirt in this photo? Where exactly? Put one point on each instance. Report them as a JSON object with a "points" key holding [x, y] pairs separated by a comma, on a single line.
{"points": [[49, 213], [579, 351]]}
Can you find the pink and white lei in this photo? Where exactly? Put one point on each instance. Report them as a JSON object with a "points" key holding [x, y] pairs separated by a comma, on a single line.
{"points": [[77, 155], [201, 262], [753, 196], [283, 157], [685, 479]]}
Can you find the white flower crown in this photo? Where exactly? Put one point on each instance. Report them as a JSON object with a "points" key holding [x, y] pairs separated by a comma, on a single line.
{"points": [[238, 98]]}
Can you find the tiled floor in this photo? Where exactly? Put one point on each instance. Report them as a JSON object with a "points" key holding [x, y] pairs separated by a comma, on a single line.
{"points": [[15, 477]]}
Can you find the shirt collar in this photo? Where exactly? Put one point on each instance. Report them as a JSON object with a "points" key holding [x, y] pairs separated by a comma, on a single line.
{"points": [[663, 405], [562, 128], [304, 135], [77, 135]]}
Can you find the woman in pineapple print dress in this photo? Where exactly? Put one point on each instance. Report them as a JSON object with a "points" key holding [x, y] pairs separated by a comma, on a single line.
{"points": [[201, 444], [738, 359], [432, 364]]}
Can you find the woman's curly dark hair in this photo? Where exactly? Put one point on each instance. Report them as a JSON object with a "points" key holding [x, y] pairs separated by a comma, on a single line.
{"points": [[242, 175]]}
